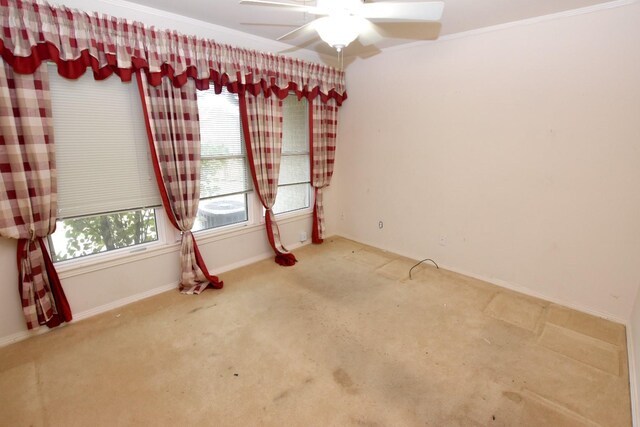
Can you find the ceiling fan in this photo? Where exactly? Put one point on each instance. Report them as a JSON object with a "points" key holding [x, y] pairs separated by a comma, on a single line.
{"points": [[340, 22]]}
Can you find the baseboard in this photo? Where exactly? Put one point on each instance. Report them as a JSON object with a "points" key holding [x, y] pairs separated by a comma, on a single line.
{"points": [[258, 258], [23, 335], [532, 293], [508, 285], [633, 379], [122, 302], [77, 317]]}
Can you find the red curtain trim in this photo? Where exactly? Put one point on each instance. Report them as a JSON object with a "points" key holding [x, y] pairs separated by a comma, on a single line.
{"points": [[315, 232], [73, 69], [213, 280], [154, 156], [315, 226], [59, 298], [62, 305], [285, 259], [244, 118]]}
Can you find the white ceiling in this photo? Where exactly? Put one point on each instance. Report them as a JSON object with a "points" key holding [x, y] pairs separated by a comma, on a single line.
{"points": [[271, 22]]}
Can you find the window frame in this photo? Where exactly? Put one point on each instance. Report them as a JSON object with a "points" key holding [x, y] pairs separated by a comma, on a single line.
{"points": [[311, 194], [127, 94], [247, 194], [169, 237], [162, 223]]}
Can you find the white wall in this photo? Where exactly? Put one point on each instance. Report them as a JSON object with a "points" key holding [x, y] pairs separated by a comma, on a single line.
{"points": [[633, 343], [96, 287], [511, 155]]}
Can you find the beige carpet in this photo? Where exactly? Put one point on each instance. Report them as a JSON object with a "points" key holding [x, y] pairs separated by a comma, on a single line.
{"points": [[342, 339]]}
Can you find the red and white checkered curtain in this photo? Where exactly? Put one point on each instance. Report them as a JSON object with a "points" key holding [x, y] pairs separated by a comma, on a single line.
{"points": [[28, 190], [33, 31], [262, 128], [324, 123], [173, 128]]}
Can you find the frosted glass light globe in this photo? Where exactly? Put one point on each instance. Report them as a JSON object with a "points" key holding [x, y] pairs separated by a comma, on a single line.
{"points": [[338, 30]]}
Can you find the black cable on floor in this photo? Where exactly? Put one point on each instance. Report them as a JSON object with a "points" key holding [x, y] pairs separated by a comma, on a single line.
{"points": [[426, 259]]}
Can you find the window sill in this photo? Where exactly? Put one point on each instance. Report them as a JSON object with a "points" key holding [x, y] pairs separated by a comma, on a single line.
{"points": [[208, 236], [97, 262], [72, 268], [286, 216]]}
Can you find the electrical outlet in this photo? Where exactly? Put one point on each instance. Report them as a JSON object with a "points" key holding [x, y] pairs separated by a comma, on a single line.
{"points": [[303, 236], [380, 225], [443, 241]]}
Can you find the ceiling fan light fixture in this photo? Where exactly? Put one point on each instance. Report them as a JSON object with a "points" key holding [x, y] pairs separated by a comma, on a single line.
{"points": [[338, 30]]}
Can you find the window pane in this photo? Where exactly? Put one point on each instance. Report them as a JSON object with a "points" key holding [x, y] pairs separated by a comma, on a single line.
{"points": [[220, 130], [78, 237], [291, 198], [295, 129], [221, 211], [223, 176], [293, 190], [294, 169], [102, 151]]}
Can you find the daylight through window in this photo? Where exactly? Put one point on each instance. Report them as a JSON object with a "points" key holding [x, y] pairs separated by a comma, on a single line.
{"points": [[293, 183], [224, 175], [106, 189]]}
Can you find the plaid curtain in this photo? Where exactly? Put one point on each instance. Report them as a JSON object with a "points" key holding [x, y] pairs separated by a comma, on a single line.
{"points": [[324, 122], [262, 128], [35, 31], [28, 190], [174, 137]]}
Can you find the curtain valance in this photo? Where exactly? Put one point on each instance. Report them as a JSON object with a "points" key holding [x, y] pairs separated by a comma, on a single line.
{"points": [[33, 32]]}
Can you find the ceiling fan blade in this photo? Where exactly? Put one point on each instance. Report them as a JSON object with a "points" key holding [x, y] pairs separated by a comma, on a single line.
{"points": [[409, 30], [303, 8], [368, 52], [299, 46], [403, 11], [369, 35], [302, 30], [264, 24]]}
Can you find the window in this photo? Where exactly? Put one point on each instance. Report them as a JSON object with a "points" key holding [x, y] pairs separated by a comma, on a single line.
{"points": [[107, 192], [293, 182], [77, 237], [224, 175]]}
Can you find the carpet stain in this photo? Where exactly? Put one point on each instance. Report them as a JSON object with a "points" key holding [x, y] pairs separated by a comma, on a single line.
{"points": [[334, 343], [513, 396], [195, 310], [364, 423], [343, 379], [282, 395], [288, 391]]}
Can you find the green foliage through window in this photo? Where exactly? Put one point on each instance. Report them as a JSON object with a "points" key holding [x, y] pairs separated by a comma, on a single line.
{"points": [[77, 237]]}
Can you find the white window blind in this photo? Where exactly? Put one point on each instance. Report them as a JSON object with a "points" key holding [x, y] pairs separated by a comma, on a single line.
{"points": [[102, 151], [293, 182], [224, 168], [294, 165]]}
